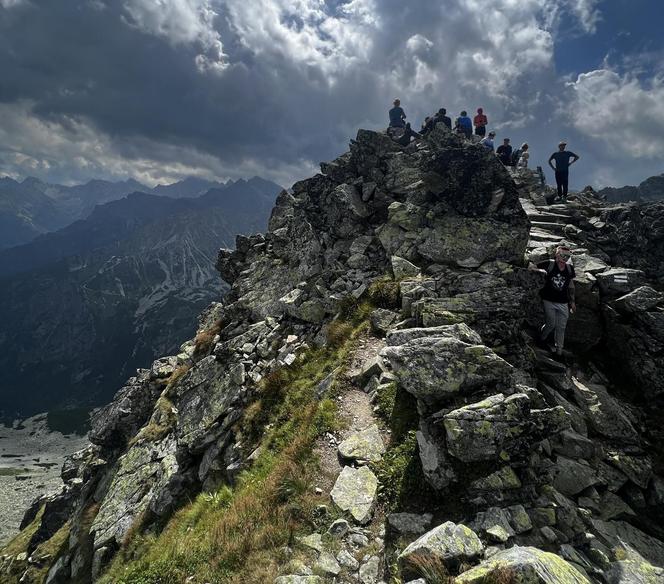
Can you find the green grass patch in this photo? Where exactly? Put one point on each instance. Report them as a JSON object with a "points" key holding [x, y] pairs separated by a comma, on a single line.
{"points": [[45, 553], [239, 534], [400, 477]]}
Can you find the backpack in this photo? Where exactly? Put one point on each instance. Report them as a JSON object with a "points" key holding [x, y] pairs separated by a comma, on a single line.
{"points": [[515, 157]]}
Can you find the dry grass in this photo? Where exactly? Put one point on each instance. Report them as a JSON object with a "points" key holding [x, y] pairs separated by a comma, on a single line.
{"points": [[204, 340], [502, 575], [431, 568], [161, 422]]}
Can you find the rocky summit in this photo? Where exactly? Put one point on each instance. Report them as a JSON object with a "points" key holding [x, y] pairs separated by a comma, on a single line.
{"points": [[368, 404]]}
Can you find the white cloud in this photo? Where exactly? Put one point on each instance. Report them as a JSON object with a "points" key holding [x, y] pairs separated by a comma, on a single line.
{"points": [[181, 22], [623, 113], [586, 12], [10, 3]]}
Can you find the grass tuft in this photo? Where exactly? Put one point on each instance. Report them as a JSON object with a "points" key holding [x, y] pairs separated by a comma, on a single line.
{"points": [[431, 568]]}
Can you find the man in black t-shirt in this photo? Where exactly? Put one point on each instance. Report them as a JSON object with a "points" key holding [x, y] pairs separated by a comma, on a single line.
{"points": [[504, 152], [564, 159], [557, 296]]}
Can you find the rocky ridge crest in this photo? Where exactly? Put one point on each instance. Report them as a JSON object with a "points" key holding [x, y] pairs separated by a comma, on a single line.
{"points": [[534, 468]]}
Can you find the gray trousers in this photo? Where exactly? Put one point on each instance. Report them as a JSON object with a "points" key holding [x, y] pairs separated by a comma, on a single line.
{"points": [[556, 315]]}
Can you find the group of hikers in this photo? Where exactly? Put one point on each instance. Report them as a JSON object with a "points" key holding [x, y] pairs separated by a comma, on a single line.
{"points": [[558, 292], [463, 126]]}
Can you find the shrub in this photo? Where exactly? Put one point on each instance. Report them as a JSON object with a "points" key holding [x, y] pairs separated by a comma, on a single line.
{"points": [[384, 293]]}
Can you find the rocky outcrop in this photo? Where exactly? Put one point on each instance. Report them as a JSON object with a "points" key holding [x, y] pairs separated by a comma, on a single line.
{"points": [[529, 465]]}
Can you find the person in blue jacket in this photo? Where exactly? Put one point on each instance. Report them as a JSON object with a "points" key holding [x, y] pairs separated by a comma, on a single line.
{"points": [[397, 115], [464, 125]]}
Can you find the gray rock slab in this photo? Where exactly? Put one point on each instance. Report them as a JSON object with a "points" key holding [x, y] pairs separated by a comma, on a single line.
{"points": [[355, 492], [364, 446]]}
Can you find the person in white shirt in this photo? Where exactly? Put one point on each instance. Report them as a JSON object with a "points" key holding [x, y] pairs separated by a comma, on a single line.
{"points": [[522, 162], [488, 141]]}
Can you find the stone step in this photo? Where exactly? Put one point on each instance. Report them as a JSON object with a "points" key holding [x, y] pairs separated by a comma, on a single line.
{"points": [[553, 217], [560, 209], [539, 235], [549, 226]]}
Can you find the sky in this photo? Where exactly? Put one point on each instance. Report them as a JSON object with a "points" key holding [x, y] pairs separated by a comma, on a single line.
{"points": [[158, 90]]}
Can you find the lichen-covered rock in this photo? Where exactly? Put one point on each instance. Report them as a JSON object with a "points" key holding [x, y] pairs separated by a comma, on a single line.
{"points": [[364, 446], [526, 565], [355, 492], [435, 368], [142, 481], [449, 542], [500, 426], [294, 579]]}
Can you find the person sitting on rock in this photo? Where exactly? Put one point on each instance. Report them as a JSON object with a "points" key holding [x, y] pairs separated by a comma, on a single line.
{"points": [[480, 121], [409, 133], [558, 297], [441, 118], [521, 159], [463, 125], [504, 152], [488, 141], [428, 125], [397, 115]]}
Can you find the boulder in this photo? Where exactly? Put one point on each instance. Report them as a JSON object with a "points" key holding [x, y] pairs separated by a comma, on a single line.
{"points": [[642, 299], [409, 523], [617, 282], [433, 369], [500, 426], [355, 492], [450, 543], [362, 447], [402, 268], [526, 565]]}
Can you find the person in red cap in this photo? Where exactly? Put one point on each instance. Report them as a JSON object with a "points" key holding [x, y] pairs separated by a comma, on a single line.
{"points": [[480, 122]]}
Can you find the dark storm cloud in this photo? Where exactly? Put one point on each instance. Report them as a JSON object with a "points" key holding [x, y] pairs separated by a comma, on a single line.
{"points": [[155, 90]]}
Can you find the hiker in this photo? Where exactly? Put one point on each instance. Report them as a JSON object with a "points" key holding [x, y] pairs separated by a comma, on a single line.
{"points": [[558, 297], [521, 156], [409, 133], [480, 121], [504, 152], [464, 125], [564, 159], [397, 115], [488, 141], [428, 125], [441, 118]]}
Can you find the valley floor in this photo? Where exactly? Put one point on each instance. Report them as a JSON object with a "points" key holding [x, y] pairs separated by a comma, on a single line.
{"points": [[31, 456]]}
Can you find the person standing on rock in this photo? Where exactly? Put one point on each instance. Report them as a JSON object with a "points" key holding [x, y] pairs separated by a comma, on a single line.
{"points": [[397, 115], [558, 297], [488, 141], [464, 125], [564, 159], [480, 121], [504, 152]]}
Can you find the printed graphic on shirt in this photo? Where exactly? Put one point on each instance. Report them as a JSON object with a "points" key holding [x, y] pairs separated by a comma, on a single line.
{"points": [[558, 282]]}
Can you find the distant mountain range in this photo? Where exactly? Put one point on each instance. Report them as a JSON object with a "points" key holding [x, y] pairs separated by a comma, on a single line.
{"points": [[83, 307], [651, 189], [32, 207]]}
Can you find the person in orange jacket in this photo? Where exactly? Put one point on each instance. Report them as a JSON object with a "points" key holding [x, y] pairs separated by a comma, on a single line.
{"points": [[480, 121]]}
